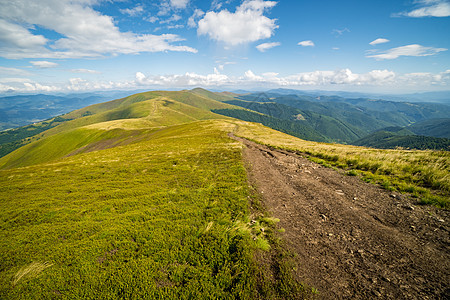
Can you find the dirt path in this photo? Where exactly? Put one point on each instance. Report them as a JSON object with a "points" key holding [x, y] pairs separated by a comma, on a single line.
{"points": [[353, 240]]}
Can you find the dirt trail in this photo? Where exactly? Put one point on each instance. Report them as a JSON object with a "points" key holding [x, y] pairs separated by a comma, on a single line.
{"points": [[352, 240]]}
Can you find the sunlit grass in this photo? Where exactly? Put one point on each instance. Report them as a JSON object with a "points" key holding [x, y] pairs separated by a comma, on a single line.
{"points": [[157, 219]]}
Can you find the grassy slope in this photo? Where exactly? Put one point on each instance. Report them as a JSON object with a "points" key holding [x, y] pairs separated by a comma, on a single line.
{"points": [[163, 218], [93, 124]]}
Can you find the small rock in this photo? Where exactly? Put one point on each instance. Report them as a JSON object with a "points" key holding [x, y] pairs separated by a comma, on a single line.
{"points": [[440, 220], [355, 198], [377, 293], [323, 217], [408, 207], [393, 196], [330, 234]]}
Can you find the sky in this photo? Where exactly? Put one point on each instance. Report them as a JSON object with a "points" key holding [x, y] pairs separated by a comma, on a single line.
{"points": [[347, 45]]}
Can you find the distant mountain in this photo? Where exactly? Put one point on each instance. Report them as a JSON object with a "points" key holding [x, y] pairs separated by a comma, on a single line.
{"points": [[384, 139], [442, 97], [433, 127], [345, 120], [16, 111]]}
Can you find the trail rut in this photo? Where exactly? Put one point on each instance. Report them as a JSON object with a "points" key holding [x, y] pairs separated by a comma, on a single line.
{"points": [[351, 239]]}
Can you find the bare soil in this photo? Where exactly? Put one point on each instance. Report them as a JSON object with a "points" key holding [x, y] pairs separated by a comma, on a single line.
{"points": [[351, 239]]}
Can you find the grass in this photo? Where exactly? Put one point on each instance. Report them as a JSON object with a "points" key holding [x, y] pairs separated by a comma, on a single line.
{"points": [[423, 174], [156, 219]]}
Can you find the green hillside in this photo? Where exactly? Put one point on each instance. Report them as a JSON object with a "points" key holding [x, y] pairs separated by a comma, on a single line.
{"points": [[434, 127], [145, 110], [391, 140], [147, 197], [323, 126]]}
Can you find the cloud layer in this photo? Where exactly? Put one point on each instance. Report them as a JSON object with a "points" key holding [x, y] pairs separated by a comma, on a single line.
{"points": [[316, 79]]}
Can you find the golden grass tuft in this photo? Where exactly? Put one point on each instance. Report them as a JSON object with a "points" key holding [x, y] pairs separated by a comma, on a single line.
{"points": [[30, 271]]}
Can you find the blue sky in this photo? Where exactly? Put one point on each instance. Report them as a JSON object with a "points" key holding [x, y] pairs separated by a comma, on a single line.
{"points": [[86, 45]]}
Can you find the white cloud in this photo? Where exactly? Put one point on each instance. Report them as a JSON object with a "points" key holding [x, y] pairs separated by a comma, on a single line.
{"points": [[306, 43], [86, 71], [192, 21], [317, 79], [85, 32], [44, 64], [178, 26], [173, 18], [247, 24], [13, 72], [428, 8], [222, 65], [179, 3], [339, 32], [266, 46], [138, 9], [409, 50], [187, 79], [217, 4], [379, 41]]}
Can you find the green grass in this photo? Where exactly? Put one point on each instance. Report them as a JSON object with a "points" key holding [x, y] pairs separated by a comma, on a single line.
{"points": [[156, 219]]}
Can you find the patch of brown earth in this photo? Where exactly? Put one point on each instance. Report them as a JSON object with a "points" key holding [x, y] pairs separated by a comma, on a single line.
{"points": [[352, 240]]}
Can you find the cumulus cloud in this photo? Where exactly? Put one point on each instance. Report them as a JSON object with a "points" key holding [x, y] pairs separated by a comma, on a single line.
{"points": [[428, 8], [43, 64], [379, 41], [409, 50], [306, 43], [85, 32], [246, 24], [266, 46]]}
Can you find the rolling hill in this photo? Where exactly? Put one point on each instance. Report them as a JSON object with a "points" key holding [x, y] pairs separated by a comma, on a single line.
{"points": [[148, 196]]}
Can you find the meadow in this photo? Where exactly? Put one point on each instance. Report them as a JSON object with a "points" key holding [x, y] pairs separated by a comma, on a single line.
{"points": [[163, 218]]}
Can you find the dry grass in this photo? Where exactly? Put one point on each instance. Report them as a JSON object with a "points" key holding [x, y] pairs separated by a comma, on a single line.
{"points": [[30, 271]]}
